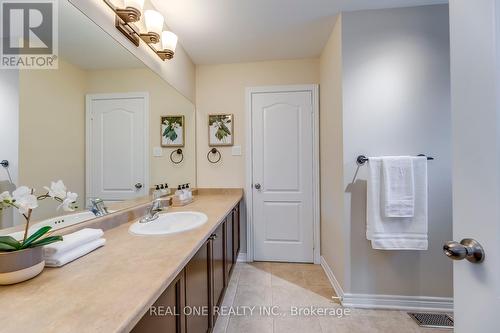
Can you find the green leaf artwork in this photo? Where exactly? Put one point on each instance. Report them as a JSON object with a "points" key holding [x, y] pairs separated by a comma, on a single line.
{"points": [[169, 126], [221, 124]]}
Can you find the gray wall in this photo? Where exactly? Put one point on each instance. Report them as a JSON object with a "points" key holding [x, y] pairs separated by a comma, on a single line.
{"points": [[9, 133], [396, 99]]}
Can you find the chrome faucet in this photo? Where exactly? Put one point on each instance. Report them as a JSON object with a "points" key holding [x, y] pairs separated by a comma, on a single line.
{"points": [[98, 207], [153, 212]]}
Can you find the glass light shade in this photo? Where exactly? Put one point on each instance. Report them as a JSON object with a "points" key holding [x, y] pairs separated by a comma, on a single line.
{"points": [[154, 21], [168, 40], [137, 4]]}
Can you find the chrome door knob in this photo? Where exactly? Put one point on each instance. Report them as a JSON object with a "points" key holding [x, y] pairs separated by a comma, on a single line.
{"points": [[138, 186], [257, 186], [468, 249]]}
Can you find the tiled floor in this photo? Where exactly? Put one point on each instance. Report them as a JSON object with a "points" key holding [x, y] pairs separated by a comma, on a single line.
{"points": [[284, 288]]}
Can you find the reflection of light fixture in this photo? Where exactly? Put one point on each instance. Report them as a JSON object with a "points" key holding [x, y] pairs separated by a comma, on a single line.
{"points": [[132, 10], [124, 22], [154, 26], [168, 43]]}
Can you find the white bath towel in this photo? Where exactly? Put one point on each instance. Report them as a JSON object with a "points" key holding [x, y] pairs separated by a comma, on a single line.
{"points": [[398, 184], [397, 233], [61, 259], [72, 241]]}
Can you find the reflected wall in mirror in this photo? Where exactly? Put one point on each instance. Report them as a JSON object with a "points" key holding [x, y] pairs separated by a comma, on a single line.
{"points": [[95, 122]]}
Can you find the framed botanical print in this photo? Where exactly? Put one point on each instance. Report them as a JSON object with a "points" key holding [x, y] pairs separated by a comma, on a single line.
{"points": [[220, 130], [172, 131]]}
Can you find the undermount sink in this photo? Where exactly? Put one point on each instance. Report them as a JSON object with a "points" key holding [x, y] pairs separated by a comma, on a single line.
{"points": [[169, 223]]}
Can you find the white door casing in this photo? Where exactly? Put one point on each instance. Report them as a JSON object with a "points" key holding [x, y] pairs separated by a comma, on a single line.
{"points": [[283, 215], [475, 101], [117, 146]]}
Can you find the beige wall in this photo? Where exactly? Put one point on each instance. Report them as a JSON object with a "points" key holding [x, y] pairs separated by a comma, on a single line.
{"points": [[333, 231], [52, 131], [178, 72], [221, 89], [52, 126], [164, 100]]}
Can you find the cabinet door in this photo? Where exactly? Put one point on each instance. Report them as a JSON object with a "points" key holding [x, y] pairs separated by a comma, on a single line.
{"points": [[166, 314], [198, 292], [236, 233], [228, 255], [218, 275]]}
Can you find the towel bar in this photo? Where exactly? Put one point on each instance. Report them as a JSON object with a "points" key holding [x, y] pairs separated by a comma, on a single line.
{"points": [[362, 159]]}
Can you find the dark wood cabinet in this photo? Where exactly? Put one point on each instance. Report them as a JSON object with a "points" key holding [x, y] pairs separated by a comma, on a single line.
{"points": [[236, 233], [187, 305], [166, 314], [228, 236], [198, 291], [218, 274]]}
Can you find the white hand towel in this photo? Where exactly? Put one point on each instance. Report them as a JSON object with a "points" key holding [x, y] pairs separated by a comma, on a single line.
{"points": [[61, 259], [72, 241], [397, 233], [398, 186]]}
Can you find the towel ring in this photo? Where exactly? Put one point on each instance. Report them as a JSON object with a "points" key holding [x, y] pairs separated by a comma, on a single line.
{"points": [[179, 152], [216, 152]]}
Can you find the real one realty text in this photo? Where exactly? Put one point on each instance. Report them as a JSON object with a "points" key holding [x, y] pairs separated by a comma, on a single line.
{"points": [[305, 311]]}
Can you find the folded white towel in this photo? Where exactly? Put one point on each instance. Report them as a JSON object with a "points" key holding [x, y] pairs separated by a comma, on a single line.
{"points": [[397, 233], [72, 241], [398, 186], [61, 259]]}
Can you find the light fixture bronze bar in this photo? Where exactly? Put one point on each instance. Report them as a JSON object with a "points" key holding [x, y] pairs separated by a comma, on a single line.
{"points": [[124, 23], [127, 30]]}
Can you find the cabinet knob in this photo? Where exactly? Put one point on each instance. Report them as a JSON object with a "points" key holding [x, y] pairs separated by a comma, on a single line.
{"points": [[213, 236]]}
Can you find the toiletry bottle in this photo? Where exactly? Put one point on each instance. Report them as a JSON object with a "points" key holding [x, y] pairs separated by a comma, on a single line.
{"points": [[179, 193], [157, 192], [167, 189], [189, 191]]}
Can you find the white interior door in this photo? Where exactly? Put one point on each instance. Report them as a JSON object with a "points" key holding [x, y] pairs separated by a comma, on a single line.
{"points": [[117, 146], [475, 74], [282, 167]]}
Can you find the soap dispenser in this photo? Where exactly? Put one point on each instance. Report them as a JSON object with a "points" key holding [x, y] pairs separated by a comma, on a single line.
{"points": [[179, 193], [189, 191]]}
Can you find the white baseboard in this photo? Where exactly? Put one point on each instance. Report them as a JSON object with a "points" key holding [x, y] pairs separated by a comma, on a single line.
{"points": [[388, 302], [329, 274], [242, 257]]}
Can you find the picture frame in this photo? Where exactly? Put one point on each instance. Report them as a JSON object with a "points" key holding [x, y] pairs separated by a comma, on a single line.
{"points": [[172, 131], [220, 129]]}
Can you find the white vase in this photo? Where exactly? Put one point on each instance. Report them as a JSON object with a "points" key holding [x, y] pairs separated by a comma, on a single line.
{"points": [[19, 266]]}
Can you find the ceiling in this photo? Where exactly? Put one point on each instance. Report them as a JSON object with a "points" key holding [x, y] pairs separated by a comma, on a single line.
{"points": [[227, 31], [86, 45]]}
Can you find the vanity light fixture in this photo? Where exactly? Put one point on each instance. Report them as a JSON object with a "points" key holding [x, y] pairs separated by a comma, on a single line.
{"points": [[126, 17], [168, 43]]}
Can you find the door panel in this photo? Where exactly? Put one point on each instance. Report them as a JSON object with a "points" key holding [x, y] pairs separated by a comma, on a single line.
{"points": [[198, 291], [218, 263], [475, 74], [236, 233], [117, 147], [282, 139], [171, 303], [229, 234]]}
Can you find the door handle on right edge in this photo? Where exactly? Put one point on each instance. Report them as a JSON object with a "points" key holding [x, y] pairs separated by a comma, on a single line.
{"points": [[468, 248], [257, 186]]}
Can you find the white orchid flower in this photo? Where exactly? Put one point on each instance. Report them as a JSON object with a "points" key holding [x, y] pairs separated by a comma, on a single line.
{"points": [[57, 189], [68, 203], [24, 199], [5, 199]]}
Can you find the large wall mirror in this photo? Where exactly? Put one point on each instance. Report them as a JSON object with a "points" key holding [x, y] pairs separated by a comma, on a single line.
{"points": [[103, 123]]}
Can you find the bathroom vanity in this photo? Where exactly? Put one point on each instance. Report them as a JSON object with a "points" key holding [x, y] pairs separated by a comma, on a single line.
{"points": [[187, 305], [113, 288]]}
